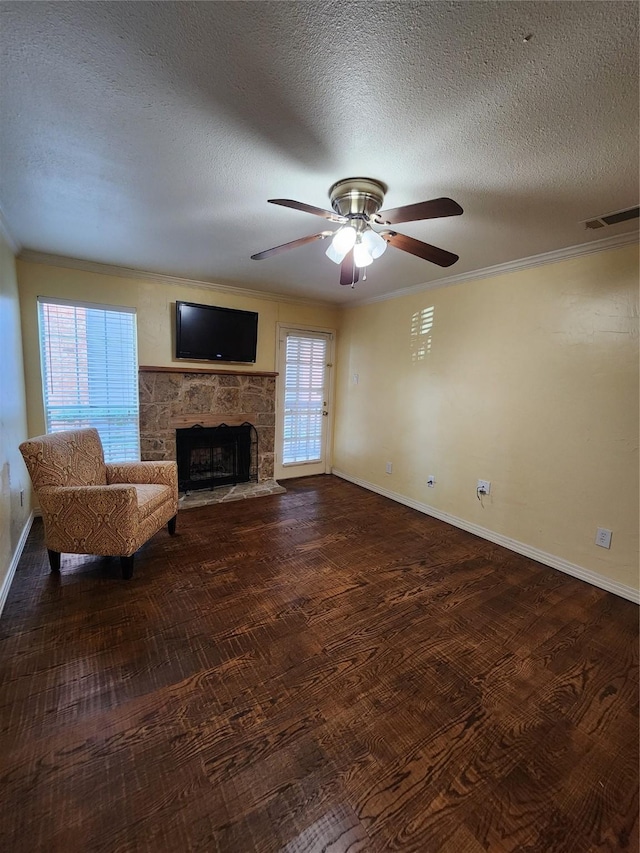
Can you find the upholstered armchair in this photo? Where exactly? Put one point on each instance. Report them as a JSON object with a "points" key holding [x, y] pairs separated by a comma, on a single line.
{"points": [[93, 507]]}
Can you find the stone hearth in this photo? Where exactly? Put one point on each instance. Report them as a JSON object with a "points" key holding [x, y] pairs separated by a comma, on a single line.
{"points": [[225, 494], [171, 398]]}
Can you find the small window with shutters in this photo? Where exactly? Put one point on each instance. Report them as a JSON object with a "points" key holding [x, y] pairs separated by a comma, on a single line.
{"points": [[90, 372]]}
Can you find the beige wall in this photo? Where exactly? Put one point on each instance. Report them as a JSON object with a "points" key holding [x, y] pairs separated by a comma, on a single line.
{"points": [[529, 380], [13, 420], [154, 301]]}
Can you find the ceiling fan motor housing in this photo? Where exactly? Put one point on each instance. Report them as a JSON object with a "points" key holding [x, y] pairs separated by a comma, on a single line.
{"points": [[357, 196]]}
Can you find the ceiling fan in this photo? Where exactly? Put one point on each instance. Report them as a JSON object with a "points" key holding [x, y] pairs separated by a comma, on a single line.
{"points": [[356, 204]]}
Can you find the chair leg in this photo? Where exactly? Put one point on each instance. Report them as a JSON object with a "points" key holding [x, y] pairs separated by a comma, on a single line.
{"points": [[54, 560], [127, 567], [171, 525]]}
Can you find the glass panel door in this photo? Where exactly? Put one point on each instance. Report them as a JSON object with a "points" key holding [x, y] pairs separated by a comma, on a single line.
{"points": [[303, 403]]}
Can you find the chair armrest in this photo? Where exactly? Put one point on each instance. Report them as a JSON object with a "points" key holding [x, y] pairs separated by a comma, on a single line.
{"points": [[81, 510], [161, 473]]}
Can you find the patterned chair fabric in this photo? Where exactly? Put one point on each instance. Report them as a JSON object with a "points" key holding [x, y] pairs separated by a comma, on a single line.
{"points": [[93, 507]]}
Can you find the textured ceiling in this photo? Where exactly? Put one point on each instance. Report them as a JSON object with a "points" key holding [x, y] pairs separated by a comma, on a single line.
{"points": [[151, 135]]}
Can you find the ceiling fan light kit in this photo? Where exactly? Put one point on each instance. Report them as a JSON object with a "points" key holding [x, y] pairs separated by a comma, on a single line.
{"points": [[361, 256], [366, 243], [343, 241], [375, 244], [356, 204]]}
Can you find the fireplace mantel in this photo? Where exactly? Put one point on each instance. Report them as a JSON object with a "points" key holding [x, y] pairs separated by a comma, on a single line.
{"points": [[148, 368], [212, 419]]}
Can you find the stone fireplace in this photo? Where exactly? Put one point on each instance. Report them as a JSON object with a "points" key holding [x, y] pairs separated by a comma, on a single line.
{"points": [[180, 398]]}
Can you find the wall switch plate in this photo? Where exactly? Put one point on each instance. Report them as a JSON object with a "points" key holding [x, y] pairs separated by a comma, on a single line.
{"points": [[431, 481], [484, 487], [603, 537], [389, 467], [356, 378]]}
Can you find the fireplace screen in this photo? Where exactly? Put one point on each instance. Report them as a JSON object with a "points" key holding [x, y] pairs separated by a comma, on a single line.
{"points": [[216, 456]]}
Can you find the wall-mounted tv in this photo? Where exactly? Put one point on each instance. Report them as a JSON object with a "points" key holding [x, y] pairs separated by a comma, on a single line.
{"points": [[209, 333]]}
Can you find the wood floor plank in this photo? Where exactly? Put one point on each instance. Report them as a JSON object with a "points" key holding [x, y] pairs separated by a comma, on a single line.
{"points": [[323, 670]]}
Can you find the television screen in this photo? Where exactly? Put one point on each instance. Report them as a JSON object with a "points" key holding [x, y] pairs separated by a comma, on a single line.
{"points": [[206, 332]]}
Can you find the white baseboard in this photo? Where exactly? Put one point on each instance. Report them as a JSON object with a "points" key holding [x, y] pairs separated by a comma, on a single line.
{"points": [[559, 563], [13, 565]]}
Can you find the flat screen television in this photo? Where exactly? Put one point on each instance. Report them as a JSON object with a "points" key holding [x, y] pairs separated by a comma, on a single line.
{"points": [[210, 333]]}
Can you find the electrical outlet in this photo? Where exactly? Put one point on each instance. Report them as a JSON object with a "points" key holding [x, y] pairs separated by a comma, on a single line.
{"points": [[484, 487], [389, 467], [431, 481], [603, 537]]}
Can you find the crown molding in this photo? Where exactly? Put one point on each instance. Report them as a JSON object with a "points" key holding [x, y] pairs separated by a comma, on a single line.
{"points": [[590, 248], [4, 231], [33, 257], [567, 253]]}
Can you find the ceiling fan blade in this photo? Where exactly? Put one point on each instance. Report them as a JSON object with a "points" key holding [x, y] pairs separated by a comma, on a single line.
{"points": [[292, 245], [420, 249], [308, 208], [349, 272], [433, 209]]}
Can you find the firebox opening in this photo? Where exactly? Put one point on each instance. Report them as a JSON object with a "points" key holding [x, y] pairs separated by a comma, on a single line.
{"points": [[216, 456]]}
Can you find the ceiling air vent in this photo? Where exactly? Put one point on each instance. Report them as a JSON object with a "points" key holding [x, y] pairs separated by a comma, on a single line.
{"points": [[613, 218]]}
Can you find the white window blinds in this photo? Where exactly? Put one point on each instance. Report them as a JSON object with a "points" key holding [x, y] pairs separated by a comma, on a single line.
{"points": [[303, 398], [90, 372]]}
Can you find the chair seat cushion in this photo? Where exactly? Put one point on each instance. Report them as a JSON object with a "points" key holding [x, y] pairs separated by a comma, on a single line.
{"points": [[150, 497]]}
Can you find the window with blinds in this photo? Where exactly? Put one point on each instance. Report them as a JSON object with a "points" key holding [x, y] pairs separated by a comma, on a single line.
{"points": [[90, 372], [304, 399]]}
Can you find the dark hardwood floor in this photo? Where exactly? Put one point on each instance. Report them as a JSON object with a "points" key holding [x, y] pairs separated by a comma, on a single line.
{"points": [[323, 670]]}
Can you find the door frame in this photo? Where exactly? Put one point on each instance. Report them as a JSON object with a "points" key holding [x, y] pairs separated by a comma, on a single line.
{"points": [[281, 329]]}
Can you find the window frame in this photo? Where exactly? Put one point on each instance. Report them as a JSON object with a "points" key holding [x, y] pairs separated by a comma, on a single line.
{"points": [[88, 379]]}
